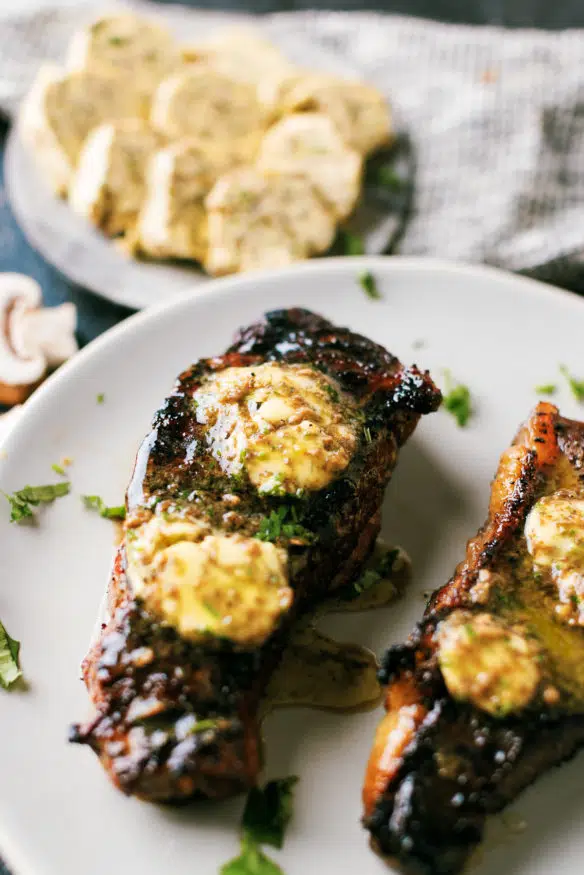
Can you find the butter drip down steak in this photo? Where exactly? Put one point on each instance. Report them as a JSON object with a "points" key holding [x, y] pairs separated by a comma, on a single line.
{"points": [[257, 491], [488, 691]]}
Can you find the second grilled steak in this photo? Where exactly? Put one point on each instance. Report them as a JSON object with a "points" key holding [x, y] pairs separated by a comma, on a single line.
{"points": [[488, 692], [258, 491]]}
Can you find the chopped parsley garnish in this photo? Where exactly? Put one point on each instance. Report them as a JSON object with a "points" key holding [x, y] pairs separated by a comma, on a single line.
{"points": [[94, 502], [369, 285], [470, 632], [202, 726], [283, 522], [457, 401], [332, 392], [268, 811], [23, 501], [211, 610], [58, 469], [9, 665], [546, 389], [387, 177], [352, 244], [251, 861], [576, 386], [101, 398], [273, 486], [381, 571]]}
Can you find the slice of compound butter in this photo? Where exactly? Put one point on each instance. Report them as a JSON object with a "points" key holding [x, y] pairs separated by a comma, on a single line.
{"points": [[243, 54], [109, 184], [259, 220], [62, 108], [206, 583], [173, 219], [290, 427], [127, 46], [360, 112], [309, 144], [224, 115]]}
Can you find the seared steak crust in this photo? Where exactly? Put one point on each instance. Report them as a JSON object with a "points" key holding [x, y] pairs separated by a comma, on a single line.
{"points": [[149, 685], [439, 765]]}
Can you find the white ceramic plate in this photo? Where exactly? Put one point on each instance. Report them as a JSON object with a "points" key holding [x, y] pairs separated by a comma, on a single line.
{"points": [[59, 815]]}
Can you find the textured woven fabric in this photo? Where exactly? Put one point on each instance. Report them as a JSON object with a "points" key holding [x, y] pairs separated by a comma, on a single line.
{"points": [[496, 119]]}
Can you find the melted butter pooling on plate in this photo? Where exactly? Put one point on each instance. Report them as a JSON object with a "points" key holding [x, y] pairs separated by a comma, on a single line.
{"points": [[318, 672]]}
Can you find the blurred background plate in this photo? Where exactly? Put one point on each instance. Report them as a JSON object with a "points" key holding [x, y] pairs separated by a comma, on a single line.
{"points": [[89, 259]]}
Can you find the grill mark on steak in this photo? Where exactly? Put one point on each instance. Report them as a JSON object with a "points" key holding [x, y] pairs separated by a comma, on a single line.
{"points": [[146, 683], [439, 766]]}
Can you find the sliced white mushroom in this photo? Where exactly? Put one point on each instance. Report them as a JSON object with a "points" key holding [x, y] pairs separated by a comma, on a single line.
{"points": [[128, 46], [33, 340], [173, 219], [309, 143], [260, 220], [360, 112], [109, 184], [224, 115], [245, 55], [62, 108]]}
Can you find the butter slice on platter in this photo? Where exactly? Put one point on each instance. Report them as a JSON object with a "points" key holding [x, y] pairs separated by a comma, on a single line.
{"points": [[134, 109]]}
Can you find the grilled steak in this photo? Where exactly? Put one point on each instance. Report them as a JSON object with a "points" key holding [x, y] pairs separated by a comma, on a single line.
{"points": [[257, 492], [488, 692]]}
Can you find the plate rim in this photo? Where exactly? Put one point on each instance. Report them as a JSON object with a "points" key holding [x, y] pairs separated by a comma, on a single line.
{"points": [[222, 285]]}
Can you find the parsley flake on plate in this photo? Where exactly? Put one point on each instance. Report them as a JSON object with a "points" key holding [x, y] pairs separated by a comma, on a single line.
{"points": [[24, 500], [457, 401], [576, 386], [101, 398], [268, 811], [94, 502], [369, 286], [9, 664], [251, 861], [546, 389]]}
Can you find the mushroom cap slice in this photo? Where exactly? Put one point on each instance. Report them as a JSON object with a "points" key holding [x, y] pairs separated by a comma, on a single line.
{"points": [[243, 54], [310, 144], [224, 115], [33, 338], [61, 109], [173, 218], [260, 220], [109, 184], [360, 112], [126, 45]]}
